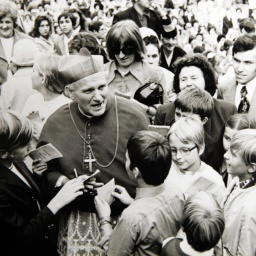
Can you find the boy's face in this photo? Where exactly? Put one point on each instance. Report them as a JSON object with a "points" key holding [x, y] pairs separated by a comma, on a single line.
{"points": [[20, 153], [189, 161], [127, 166], [65, 25], [236, 165], [179, 114], [228, 134]]}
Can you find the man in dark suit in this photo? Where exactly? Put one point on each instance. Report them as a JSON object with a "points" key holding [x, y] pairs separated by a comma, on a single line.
{"points": [[146, 14], [241, 91], [170, 52]]}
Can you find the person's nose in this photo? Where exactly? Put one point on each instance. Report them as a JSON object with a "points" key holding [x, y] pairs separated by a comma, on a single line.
{"points": [[97, 95], [178, 155], [240, 67], [4, 25], [226, 155], [121, 55], [150, 60], [30, 146], [189, 82]]}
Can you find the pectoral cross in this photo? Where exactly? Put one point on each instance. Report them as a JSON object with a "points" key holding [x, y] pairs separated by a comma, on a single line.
{"points": [[90, 160]]}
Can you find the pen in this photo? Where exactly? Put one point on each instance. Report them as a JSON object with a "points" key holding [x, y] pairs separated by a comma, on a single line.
{"points": [[75, 173]]}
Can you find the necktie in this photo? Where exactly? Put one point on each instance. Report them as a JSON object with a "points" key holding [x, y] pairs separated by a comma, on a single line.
{"points": [[244, 104]]}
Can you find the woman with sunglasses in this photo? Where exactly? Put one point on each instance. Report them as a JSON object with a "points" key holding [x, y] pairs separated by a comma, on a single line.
{"points": [[127, 71]]}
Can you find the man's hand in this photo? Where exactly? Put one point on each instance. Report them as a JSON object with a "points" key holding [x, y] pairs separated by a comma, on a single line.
{"points": [[39, 167], [102, 207], [122, 195]]}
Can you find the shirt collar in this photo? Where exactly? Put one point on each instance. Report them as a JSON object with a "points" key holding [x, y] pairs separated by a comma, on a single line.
{"points": [[140, 13], [245, 183], [149, 192], [135, 69], [187, 248], [93, 118]]}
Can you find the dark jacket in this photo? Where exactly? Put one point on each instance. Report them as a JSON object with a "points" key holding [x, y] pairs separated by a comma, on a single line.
{"points": [[25, 230], [177, 53], [155, 22]]}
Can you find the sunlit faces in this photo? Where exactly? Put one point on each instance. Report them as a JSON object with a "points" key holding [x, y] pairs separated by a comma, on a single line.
{"points": [[125, 58], [20, 153], [144, 3], [65, 25], [186, 162], [37, 79], [222, 67], [179, 114], [245, 65], [152, 55], [91, 97], [191, 77], [228, 134], [6, 27], [169, 43], [44, 28], [236, 165], [101, 34], [128, 167]]}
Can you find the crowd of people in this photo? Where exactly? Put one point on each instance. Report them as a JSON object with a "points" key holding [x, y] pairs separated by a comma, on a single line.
{"points": [[155, 99]]}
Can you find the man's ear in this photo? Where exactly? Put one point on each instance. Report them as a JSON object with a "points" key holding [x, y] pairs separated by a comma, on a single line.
{"points": [[68, 92], [252, 168], [201, 150], [4, 154], [204, 121], [42, 78], [136, 173]]}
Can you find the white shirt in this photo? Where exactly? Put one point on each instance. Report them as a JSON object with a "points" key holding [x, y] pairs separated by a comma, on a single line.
{"points": [[250, 87], [169, 59], [7, 46]]}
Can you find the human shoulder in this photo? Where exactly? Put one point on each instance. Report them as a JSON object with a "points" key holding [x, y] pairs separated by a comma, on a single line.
{"points": [[60, 116], [20, 35], [167, 107], [128, 105], [179, 50], [208, 172], [122, 15], [224, 106]]}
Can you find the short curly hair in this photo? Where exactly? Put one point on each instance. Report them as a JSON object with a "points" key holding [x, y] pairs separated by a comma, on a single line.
{"points": [[87, 40], [199, 61], [8, 8]]}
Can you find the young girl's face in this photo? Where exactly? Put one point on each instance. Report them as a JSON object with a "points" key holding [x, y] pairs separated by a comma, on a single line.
{"points": [[236, 165], [185, 156], [20, 153], [228, 134]]}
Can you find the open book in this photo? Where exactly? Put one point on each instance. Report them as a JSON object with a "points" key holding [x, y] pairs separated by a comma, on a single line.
{"points": [[45, 153]]}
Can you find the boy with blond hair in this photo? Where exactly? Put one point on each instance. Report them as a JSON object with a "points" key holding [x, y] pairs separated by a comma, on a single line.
{"points": [[240, 207], [188, 171]]}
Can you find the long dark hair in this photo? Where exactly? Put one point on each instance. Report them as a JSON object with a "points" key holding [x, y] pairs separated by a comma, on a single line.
{"points": [[35, 31]]}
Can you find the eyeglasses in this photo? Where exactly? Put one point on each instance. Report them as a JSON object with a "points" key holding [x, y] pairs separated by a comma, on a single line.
{"points": [[150, 40], [183, 151], [126, 50]]}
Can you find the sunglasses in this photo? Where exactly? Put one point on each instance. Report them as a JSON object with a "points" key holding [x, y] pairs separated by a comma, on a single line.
{"points": [[150, 40], [126, 50]]}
